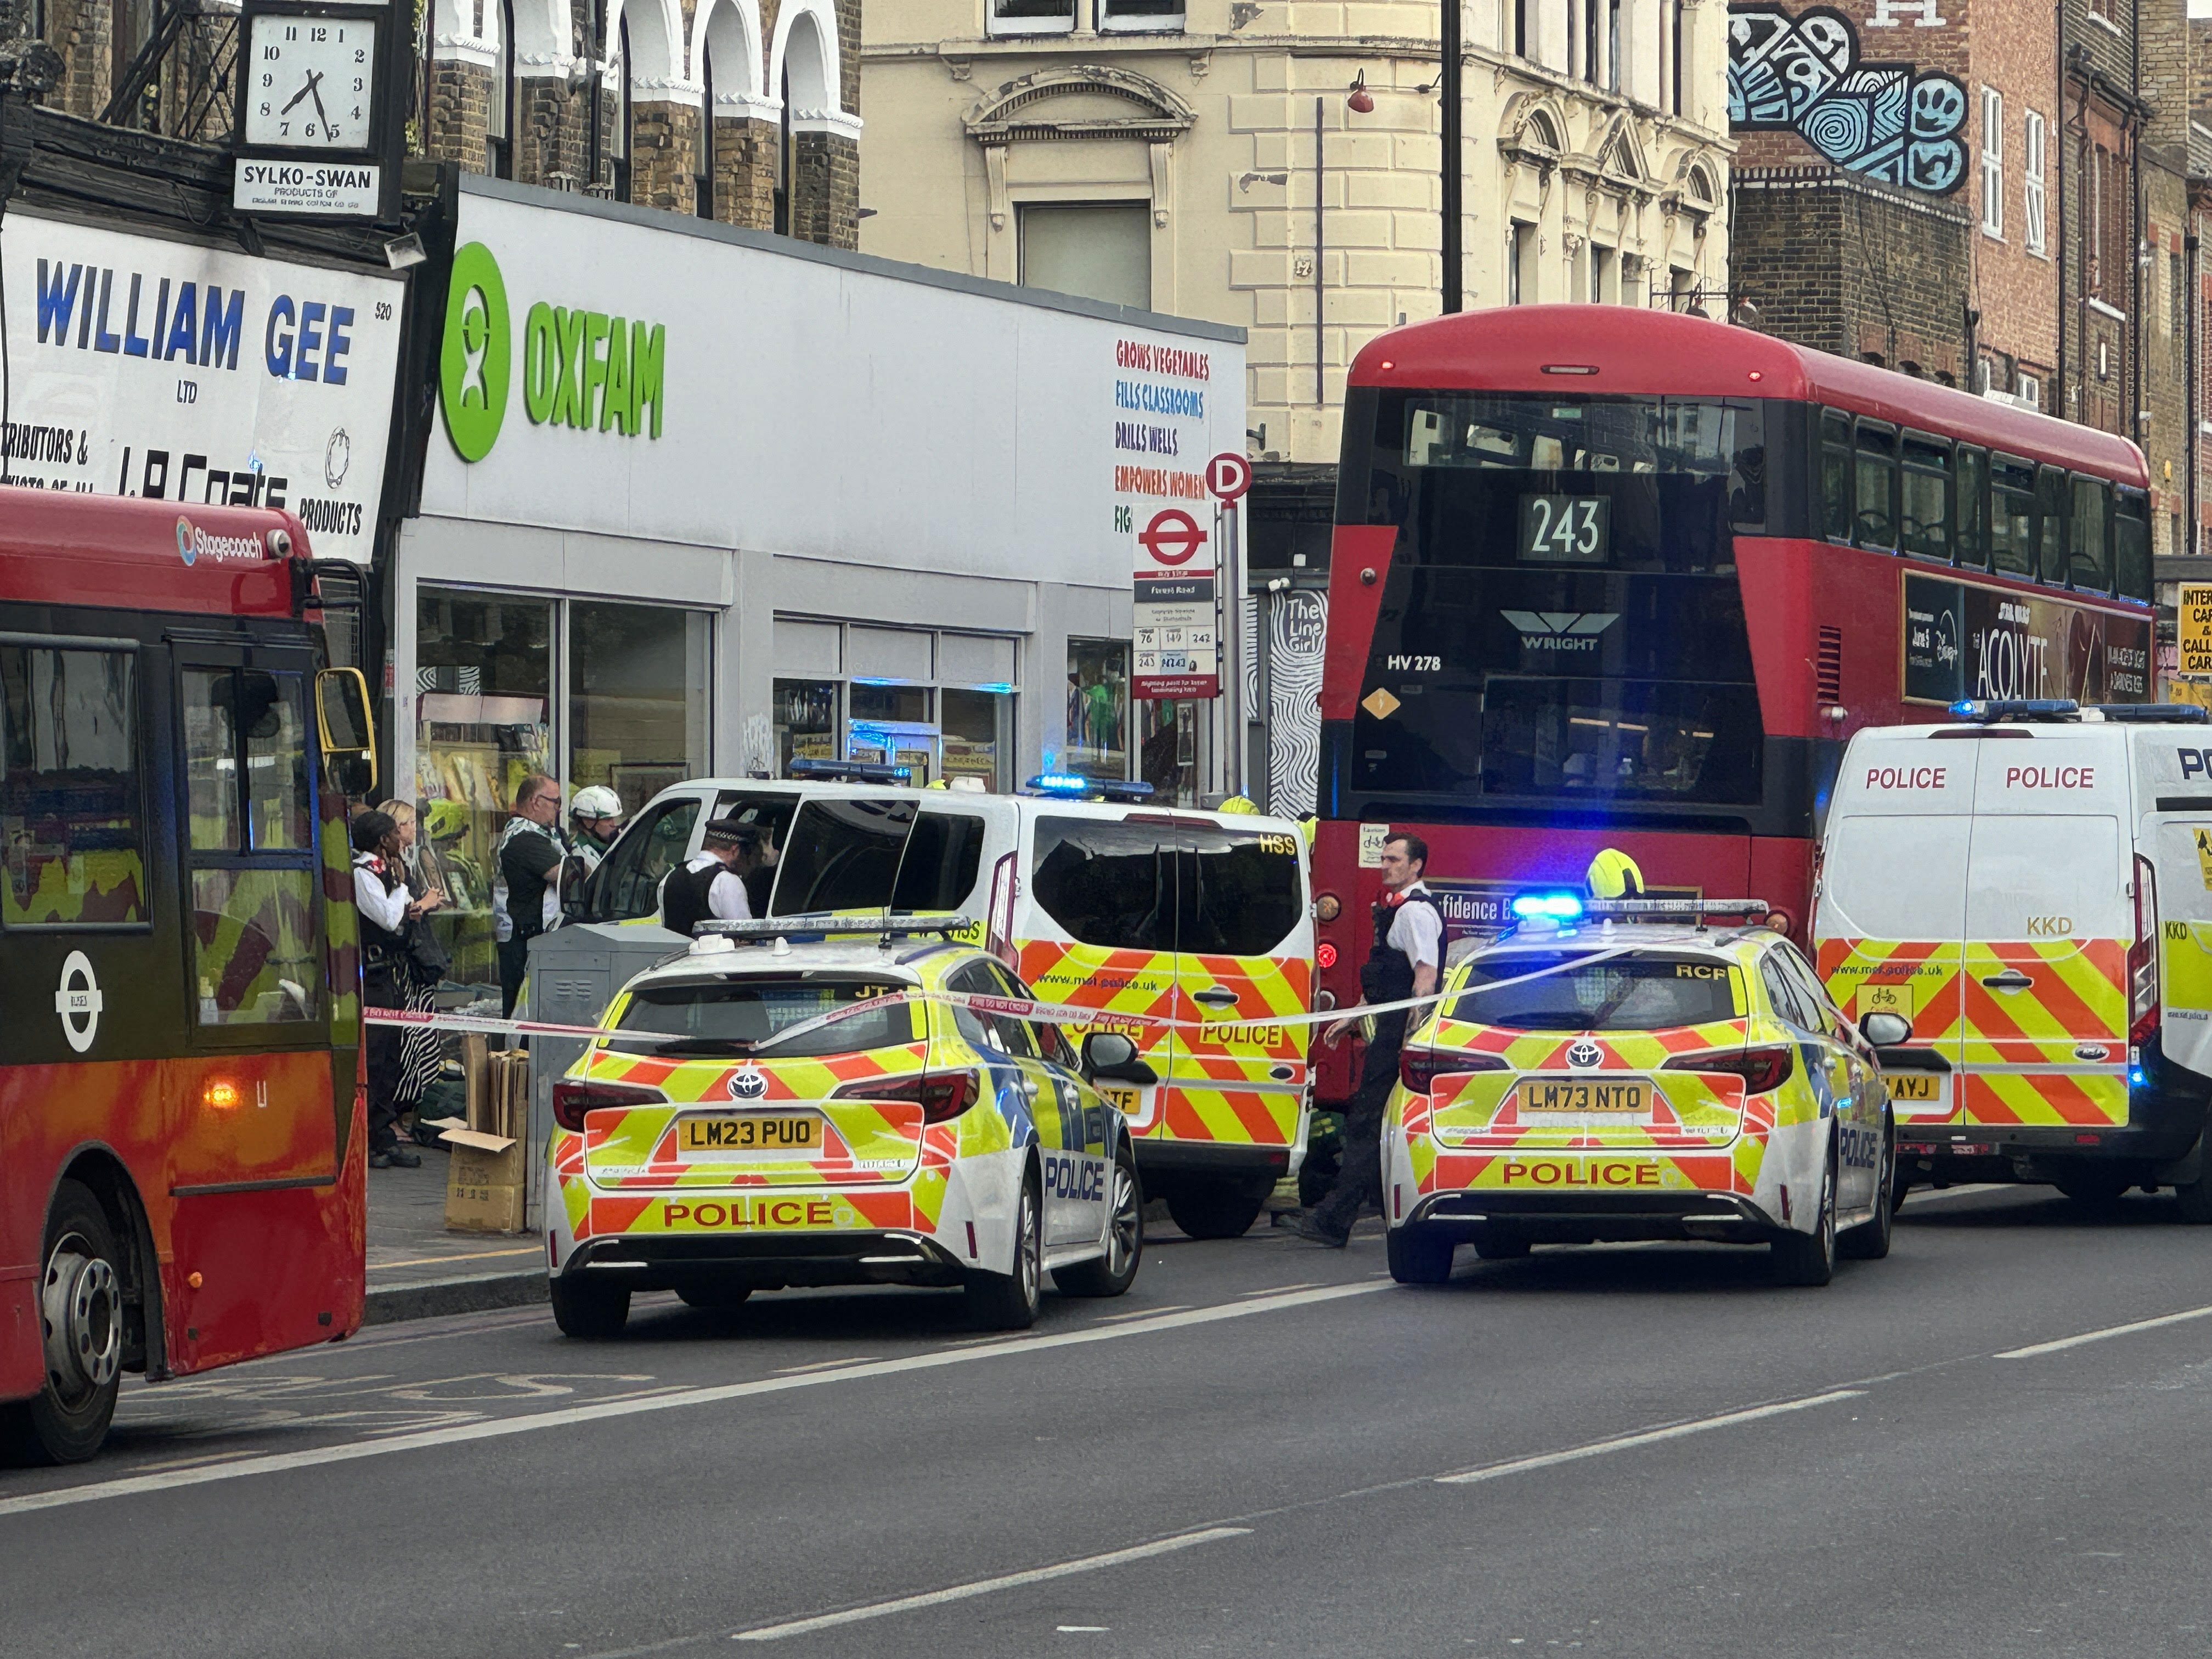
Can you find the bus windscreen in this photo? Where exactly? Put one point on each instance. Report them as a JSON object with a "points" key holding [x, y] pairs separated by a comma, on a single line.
{"points": [[1563, 619]]}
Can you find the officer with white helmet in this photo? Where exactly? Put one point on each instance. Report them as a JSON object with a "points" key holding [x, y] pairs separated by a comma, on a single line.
{"points": [[596, 816]]}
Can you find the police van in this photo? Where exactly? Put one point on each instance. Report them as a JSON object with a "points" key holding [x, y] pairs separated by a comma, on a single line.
{"points": [[1190, 932], [2015, 905]]}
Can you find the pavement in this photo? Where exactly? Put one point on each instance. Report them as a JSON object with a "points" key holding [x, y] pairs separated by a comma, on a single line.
{"points": [[416, 1269], [1993, 1444]]}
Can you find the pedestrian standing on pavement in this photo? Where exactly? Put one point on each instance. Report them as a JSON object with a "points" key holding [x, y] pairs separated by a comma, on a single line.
{"points": [[422, 1053], [1405, 962], [525, 865], [713, 884], [381, 894]]}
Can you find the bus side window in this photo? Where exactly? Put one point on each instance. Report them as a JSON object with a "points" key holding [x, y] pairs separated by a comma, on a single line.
{"points": [[2131, 545], [1835, 476], [2054, 505], [70, 795], [2011, 515], [1875, 522], [1968, 538], [2088, 553], [1925, 487], [250, 806]]}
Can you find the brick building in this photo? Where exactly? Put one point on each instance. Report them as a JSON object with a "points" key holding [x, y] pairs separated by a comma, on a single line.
{"points": [[742, 111]]}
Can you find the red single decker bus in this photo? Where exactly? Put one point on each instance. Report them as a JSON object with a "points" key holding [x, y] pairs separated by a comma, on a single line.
{"points": [[182, 1150], [1610, 577]]}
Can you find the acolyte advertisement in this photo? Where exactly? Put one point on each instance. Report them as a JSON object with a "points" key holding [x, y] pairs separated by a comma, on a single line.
{"points": [[143, 366], [1962, 640]]}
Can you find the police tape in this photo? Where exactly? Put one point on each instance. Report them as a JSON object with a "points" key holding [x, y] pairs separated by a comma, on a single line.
{"points": [[1079, 1015]]}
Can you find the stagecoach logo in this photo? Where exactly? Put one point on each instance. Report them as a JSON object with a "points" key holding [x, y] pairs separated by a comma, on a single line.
{"points": [[747, 1084], [193, 544], [78, 1001], [1560, 630], [1585, 1053]]}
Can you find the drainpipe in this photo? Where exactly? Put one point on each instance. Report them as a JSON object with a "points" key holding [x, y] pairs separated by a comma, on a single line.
{"points": [[2189, 349], [1320, 210], [2058, 211]]}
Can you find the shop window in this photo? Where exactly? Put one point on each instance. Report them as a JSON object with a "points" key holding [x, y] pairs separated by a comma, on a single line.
{"points": [[2089, 551], [843, 855], [1835, 476], [1095, 250], [250, 806], [638, 677], [1924, 489], [979, 737], [1097, 744], [69, 801], [1031, 16], [2011, 515], [2131, 546], [890, 703], [805, 722], [1971, 470], [892, 726], [483, 713]]}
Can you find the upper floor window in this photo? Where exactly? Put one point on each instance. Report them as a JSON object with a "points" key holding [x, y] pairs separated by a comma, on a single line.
{"points": [[2030, 180], [1992, 161], [1159, 15], [499, 120], [1032, 16]]}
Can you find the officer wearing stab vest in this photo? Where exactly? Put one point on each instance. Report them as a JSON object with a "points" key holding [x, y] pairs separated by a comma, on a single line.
{"points": [[1405, 961], [713, 884]]}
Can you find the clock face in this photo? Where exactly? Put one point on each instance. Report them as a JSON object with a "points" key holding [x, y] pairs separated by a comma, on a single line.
{"points": [[311, 82]]}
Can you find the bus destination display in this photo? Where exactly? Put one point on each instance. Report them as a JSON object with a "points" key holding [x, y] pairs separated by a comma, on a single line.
{"points": [[1566, 529]]}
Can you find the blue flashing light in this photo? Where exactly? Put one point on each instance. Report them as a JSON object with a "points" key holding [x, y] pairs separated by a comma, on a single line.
{"points": [[2015, 708], [2138, 1077], [1061, 783], [1001, 688], [1548, 906]]}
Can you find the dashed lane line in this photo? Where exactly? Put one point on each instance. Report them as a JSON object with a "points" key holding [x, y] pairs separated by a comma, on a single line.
{"points": [[1649, 1437], [2109, 1331]]}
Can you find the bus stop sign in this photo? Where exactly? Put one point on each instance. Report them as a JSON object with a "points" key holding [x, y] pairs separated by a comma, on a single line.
{"points": [[1228, 475]]}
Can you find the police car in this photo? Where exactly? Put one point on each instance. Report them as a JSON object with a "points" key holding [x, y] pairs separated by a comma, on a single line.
{"points": [[1635, 1069], [862, 1104]]}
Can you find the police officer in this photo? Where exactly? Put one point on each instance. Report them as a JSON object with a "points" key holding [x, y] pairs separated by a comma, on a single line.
{"points": [[714, 883], [1406, 962]]}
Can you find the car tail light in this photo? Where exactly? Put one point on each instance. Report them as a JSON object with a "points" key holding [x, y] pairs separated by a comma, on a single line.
{"points": [[942, 1096], [574, 1097], [1761, 1069], [2143, 957], [1418, 1069]]}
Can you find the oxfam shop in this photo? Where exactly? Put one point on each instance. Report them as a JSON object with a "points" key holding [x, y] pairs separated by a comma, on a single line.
{"points": [[702, 500]]}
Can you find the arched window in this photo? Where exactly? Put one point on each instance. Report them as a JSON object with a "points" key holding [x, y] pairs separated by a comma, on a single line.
{"points": [[785, 161], [499, 121], [706, 179], [618, 139]]}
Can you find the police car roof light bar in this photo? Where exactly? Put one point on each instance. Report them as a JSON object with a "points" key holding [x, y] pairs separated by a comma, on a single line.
{"points": [[2155, 714], [1987, 710], [834, 771], [896, 924], [1675, 909]]}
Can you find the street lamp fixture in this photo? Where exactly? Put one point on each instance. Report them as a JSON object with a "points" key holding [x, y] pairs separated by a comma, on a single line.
{"points": [[1360, 101]]}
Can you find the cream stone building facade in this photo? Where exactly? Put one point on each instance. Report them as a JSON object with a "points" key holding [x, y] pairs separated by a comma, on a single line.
{"points": [[1208, 158]]}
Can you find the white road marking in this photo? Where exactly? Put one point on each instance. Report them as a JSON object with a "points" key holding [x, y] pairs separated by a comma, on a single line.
{"points": [[2129, 1329], [823, 1364], [1920, 1195], [1143, 1313], [569, 1416], [1649, 1437], [988, 1586]]}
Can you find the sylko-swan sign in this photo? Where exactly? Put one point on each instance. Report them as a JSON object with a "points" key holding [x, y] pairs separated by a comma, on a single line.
{"points": [[581, 368]]}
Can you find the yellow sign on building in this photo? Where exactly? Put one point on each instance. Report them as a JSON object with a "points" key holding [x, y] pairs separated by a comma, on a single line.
{"points": [[2193, 627]]}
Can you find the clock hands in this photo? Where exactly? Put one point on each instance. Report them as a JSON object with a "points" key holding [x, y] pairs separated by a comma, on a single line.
{"points": [[313, 82], [314, 76]]}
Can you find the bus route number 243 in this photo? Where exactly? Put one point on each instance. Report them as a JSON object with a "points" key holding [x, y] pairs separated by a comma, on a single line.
{"points": [[1566, 529]]}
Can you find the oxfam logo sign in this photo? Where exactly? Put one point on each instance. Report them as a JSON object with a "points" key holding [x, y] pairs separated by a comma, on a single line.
{"points": [[582, 369]]}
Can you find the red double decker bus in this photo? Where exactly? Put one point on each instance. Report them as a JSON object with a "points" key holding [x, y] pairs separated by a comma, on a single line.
{"points": [[181, 1148], [1607, 577]]}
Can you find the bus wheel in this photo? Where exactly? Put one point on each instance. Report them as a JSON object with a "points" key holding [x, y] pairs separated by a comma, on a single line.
{"points": [[590, 1308], [1217, 1210], [81, 1310]]}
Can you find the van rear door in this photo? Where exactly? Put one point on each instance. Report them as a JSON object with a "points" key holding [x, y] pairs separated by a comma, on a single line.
{"points": [[1889, 925], [2174, 795], [2050, 919]]}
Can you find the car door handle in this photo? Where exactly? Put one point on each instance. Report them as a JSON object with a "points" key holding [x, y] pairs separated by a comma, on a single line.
{"points": [[2011, 980], [1215, 998]]}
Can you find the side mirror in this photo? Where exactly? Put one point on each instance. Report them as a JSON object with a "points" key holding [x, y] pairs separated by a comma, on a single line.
{"points": [[1112, 1057], [344, 722], [1883, 1029]]}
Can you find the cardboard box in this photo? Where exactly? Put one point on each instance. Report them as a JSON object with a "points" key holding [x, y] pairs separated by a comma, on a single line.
{"points": [[484, 1183]]}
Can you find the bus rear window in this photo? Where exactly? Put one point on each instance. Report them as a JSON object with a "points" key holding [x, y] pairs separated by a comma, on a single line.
{"points": [[738, 1017], [1581, 992]]}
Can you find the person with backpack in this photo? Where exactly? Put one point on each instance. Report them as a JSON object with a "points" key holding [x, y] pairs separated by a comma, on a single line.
{"points": [[526, 871]]}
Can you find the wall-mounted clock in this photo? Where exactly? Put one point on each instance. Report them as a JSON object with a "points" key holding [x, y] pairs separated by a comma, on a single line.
{"points": [[317, 133], [313, 81]]}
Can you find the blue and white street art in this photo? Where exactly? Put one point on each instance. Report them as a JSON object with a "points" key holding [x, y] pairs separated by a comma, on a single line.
{"points": [[1802, 74]]}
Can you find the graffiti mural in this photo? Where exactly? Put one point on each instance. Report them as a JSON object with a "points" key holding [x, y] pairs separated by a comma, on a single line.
{"points": [[1297, 622], [1803, 75]]}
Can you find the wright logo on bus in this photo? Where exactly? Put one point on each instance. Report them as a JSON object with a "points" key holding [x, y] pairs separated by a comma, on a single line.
{"points": [[2034, 1030]]}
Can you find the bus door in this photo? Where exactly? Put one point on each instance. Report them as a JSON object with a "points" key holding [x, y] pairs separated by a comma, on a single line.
{"points": [[259, 1119]]}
